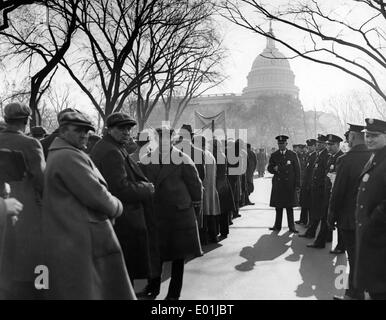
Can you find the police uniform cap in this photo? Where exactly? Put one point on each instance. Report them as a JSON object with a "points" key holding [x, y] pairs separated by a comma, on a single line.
{"points": [[282, 138], [355, 127], [332, 138], [321, 138], [120, 119], [76, 118], [16, 110], [375, 126], [311, 142]]}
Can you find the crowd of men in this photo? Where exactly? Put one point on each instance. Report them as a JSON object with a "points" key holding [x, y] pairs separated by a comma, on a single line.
{"points": [[342, 191], [100, 212]]}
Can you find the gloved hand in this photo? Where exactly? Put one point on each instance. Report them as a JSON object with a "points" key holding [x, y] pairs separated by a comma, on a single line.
{"points": [[149, 186]]}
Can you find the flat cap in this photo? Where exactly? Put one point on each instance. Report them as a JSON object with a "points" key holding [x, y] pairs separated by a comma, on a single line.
{"points": [[332, 138], [16, 110], [311, 142], [375, 125], [38, 131], [282, 138], [76, 118], [321, 138], [355, 127], [119, 119]]}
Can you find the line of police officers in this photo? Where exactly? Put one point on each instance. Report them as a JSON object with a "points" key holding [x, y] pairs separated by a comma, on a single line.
{"points": [[343, 190]]}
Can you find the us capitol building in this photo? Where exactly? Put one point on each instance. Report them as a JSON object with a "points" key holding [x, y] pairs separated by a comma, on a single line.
{"points": [[269, 105]]}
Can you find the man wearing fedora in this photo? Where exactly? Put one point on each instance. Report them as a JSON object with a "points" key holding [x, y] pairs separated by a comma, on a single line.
{"points": [[370, 214], [343, 200], [25, 247], [285, 167], [81, 250]]}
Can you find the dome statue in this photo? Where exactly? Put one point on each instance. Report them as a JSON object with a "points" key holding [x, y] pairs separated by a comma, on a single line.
{"points": [[271, 73]]}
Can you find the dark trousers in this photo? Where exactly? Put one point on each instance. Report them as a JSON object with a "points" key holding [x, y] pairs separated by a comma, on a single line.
{"points": [[304, 215], [349, 241], [176, 280], [341, 244], [210, 227], [279, 218], [324, 235], [311, 230], [223, 222]]}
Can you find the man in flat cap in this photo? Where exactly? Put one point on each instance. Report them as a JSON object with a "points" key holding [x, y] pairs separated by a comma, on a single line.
{"points": [[136, 227], [370, 266], [285, 167], [318, 180], [26, 246], [177, 201], [343, 199], [325, 234], [305, 192], [46, 141], [82, 252]]}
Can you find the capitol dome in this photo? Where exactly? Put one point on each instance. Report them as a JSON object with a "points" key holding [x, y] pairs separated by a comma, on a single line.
{"points": [[270, 74]]}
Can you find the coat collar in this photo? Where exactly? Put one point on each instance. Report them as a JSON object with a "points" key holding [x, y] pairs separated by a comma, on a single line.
{"points": [[60, 143], [379, 157], [166, 169], [359, 148], [12, 130]]}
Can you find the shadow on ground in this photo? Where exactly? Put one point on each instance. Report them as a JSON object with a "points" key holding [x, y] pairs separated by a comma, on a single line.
{"points": [[316, 266]]}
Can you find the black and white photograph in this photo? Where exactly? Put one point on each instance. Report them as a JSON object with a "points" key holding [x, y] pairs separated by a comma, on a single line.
{"points": [[208, 151]]}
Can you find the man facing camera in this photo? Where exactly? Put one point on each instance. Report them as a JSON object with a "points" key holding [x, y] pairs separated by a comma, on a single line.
{"points": [[285, 167]]}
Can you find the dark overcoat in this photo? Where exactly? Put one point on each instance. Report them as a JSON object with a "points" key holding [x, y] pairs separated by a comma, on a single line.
{"points": [[286, 180], [22, 247], [251, 168], [305, 192], [224, 189], [344, 191], [332, 165], [80, 247], [135, 228], [177, 188], [318, 186], [370, 270]]}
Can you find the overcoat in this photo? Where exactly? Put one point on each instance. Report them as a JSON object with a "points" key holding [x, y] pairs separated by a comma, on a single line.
{"points": [[344, 191], [211, 200], [318, 186], [286, 180], [370, 270], [332, 165], [81, 250], [135, 228], [177, 188], [305, 192], [251, 167], [22, 247]]}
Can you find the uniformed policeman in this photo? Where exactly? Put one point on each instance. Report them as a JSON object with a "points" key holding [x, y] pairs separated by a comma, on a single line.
{"points": [[317, 184], [343, 199], [285, 167], [325, 234], [370, 213], [305, 192]]}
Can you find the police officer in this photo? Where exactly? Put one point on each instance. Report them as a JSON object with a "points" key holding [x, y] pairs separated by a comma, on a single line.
{"points": [[325, 235], [285, 167], [317, 183], [343, 198], [305, 192], [370, 213]]}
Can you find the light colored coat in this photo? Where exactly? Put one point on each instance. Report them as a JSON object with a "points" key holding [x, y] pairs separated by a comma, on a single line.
{"points": [[81, 249], [211, 202]]}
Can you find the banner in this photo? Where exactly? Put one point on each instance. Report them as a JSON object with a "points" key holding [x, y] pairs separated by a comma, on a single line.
{"points": [[212, 123]]}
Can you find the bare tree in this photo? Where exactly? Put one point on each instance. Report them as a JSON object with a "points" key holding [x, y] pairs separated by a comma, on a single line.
{"points": [[347, 35], [40, 46]]}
